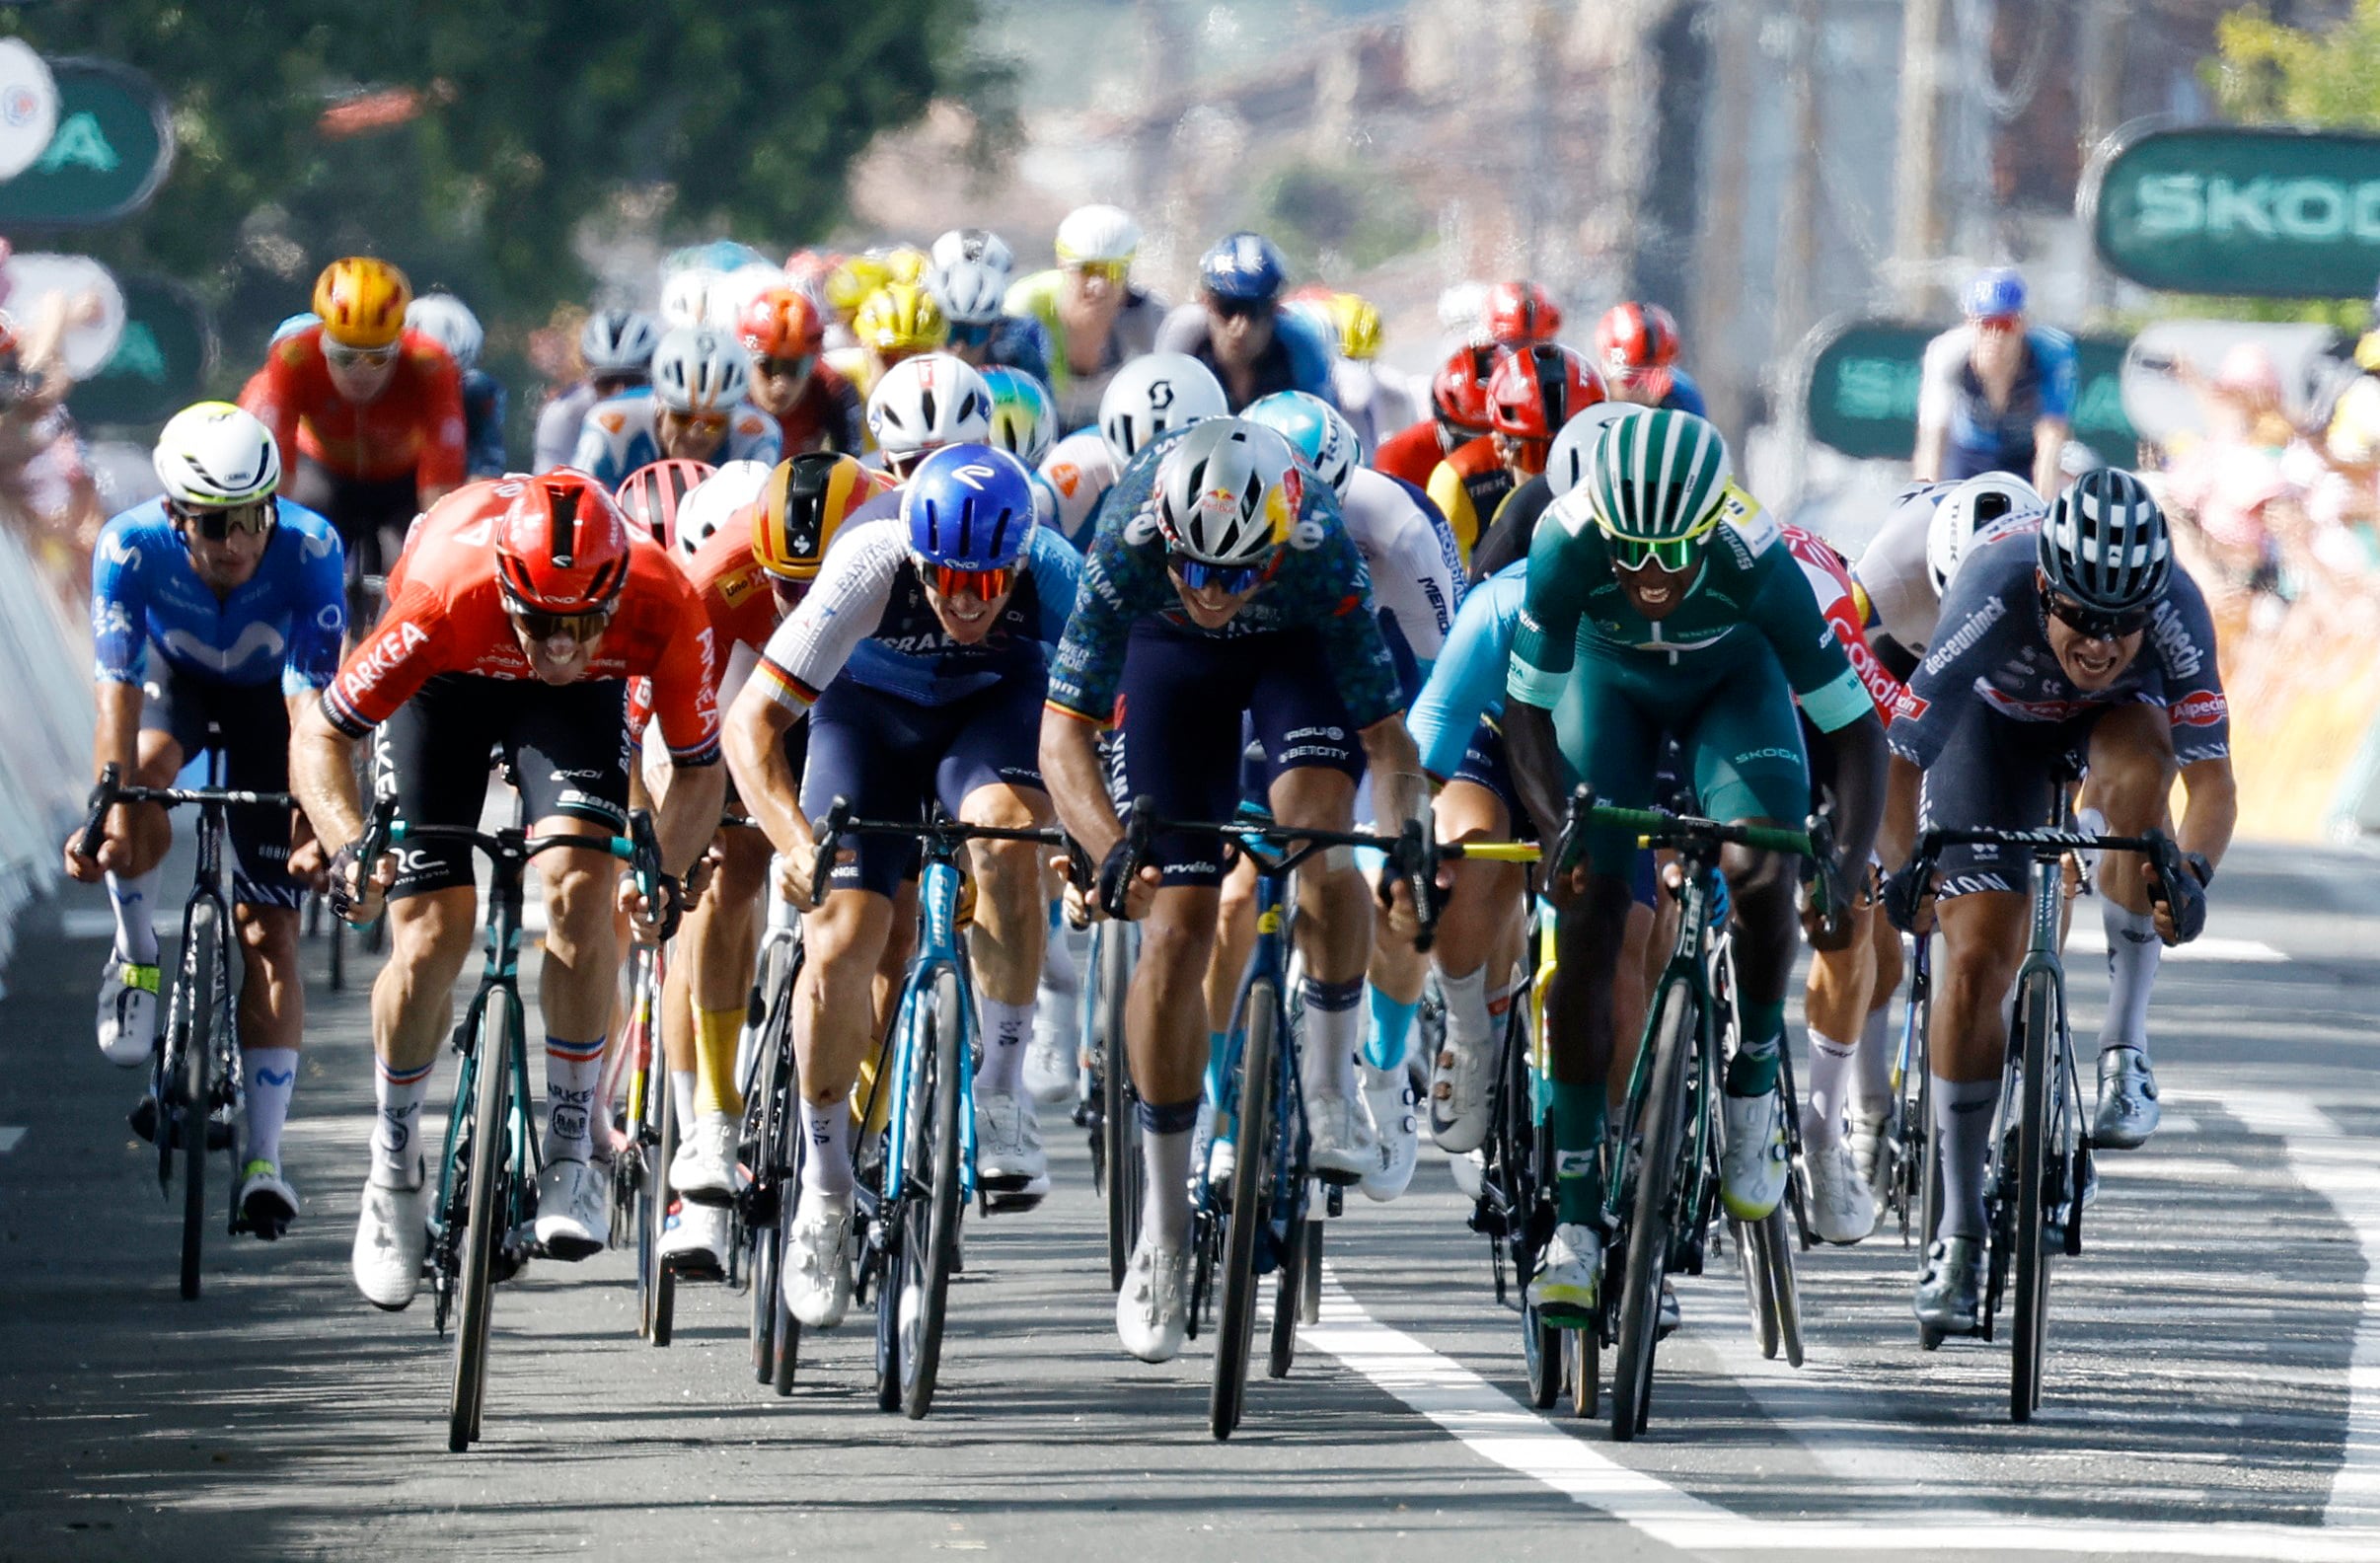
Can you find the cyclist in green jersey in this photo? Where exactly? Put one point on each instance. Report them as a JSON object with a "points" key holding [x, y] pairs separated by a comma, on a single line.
{"points": [[1660, 602]]}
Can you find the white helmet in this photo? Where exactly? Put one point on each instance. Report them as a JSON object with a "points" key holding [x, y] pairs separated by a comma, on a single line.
{"points": [[1968, 509], [214, 454], [618, 343], [709, 503], [1227, 493], [973, 244], [1573, 448], [697, 369], [926, 402], [449, 322], [1097, 234], [1154, 392], [970, 291], [686, 295]]}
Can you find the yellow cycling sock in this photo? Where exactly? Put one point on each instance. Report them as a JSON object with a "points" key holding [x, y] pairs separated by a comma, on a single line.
{"points": [[715, 1061]]}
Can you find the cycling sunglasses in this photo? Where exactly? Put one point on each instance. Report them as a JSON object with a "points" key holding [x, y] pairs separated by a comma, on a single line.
{"points": [[1232, 580], [782, 368], [539, 624], [1673, 556], [1105, 271], [346, 357], [1239, 308], [217, 522], [971, 333], [983, 585], [2096, 624], [700, 422]]}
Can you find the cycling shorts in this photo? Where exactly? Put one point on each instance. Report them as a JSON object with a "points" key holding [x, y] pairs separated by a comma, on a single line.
{"points": [[365, 510], [250, 724], [1179, 712], [567, 745], [1996, 774], [1484, 766], [894, 760]]}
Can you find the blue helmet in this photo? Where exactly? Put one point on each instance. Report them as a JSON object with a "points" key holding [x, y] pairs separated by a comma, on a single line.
{"points": [[1993, 294], [970, 507], [1244, 266]]}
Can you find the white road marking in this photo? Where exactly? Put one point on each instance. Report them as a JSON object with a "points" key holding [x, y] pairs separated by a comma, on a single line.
{"points": [[10, 1138], [2087, 937]]}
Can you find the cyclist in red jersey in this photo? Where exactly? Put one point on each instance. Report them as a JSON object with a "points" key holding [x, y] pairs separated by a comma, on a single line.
{"points": [[815, 407], [1533, 391], [368, 415], [519, 610], [1459, 413]]}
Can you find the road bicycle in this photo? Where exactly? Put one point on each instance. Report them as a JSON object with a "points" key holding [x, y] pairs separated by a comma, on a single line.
{"points": [[769, 1145], [1108, 1107]]}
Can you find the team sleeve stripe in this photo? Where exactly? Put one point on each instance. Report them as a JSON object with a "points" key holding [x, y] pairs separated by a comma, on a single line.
{"points": [[784, 688], [342, 715]]}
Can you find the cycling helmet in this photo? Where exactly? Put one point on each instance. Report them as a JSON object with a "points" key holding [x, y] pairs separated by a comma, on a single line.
{"points": [[650, 496], [717, 497], [972, 244], [1539, 388], [780, 324], [969, 507], [801, 507], [1322, 439], [970, 292], [1970, 509], [1358, 322], [1572, 454], [362, 302], [447, 320], [618, 343], [901, 316], [1994, 294], [686, 296], [926, 402], [213, 454], [1097, 235], [2105, 542], [1659, 476], [1637, 341], [1154, 392], [1025, 420], [697, 369], [290, 326], [852, 280], [1458, 391], [561, 545], [1516, 314], [1244, 266], [1227, 493]]}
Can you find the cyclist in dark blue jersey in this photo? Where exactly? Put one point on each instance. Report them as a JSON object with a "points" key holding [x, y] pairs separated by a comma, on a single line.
{"points": [[1995, 395]]}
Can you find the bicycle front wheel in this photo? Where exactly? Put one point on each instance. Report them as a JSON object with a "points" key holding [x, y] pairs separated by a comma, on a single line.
{"points": [[490, 1198], [1774, 1238], [1119, 1105], [658, 1283], [200, 969], [1251, 1208], [929, 1245], [2037, 1015], [1662, 1140]]}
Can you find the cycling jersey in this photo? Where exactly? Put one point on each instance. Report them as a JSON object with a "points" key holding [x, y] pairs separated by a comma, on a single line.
{"points": [[1412, 454], [1019, 342], [1893, 570], [283, 622], [1467, 684], [446, 615], [1417, 576], [1683, 394], [620, 436], [1076, 474], [563, 418], [483, 425], [1376, 406], [1296, 359], [1135, 332], [415, 426], [1510, 529], [825, 417], [1841, 601], [1984, 439], [1468, 486]]}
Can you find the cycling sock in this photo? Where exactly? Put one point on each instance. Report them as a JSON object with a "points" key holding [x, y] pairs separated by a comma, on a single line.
{"points": [[715, 1035], [1391, 1033], [1333, 1030], [572, 1070], [682, 1096], [271, 1075], [2133, 951], [1877, 1048], [1057, 974], [1963, 1119], [1467, 1017], [1165, 1157], [1752, 1071], [397, 1092], [1007, 1028], [134, 900], [826, 1166], [1578, 1136], [1219, 1046], [1829, 1074]]}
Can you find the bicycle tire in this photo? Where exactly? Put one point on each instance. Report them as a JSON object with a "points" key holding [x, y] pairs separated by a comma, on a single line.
{"points": [[760, 1113], [1582, 1366], [1310, 1294], [490, 1198], [1255, 1122], [2035, 1010], [1784, 1296], [1755, 1270], [663, 1281], [1126, 1177], [1289, 1287], [1541, 1354], [934, 1223], [337, 933], [201, 972], [1648, 1240]]}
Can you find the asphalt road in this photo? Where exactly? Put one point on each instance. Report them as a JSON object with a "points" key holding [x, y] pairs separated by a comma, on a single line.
{"points": [[2213, 1379]]}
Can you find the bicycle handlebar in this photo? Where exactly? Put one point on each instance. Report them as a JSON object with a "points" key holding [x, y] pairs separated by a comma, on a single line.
{"points": [[1654, 828], [110, 791], [838, 822]]}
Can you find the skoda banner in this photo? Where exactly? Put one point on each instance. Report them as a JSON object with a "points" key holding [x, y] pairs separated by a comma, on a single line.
{"points": [[1863, 391], [2274, 213]]}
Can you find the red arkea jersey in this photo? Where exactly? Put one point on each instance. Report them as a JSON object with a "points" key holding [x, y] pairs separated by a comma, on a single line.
{"points": [[446, 615], [1846, 607], [1412, 454], [414, 425]]}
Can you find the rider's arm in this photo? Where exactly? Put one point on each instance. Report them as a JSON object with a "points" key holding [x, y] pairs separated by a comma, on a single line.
{"points": [[1468, 681], [1896, 833], [1937, 395], [2183, 640], [754, 737], [1084, 672], [1454, 502], [1544, 648], [685, 679], [2210, 808], [2060, 379], [119, 632], [446, 429], [318, 612], [1077, 779], [322, 772]]}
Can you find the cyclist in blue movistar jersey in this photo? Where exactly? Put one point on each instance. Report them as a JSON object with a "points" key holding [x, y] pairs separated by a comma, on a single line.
{"points": [[1995, 395], [1237, 327], [695, 412], [982, 332], [216, 611]]}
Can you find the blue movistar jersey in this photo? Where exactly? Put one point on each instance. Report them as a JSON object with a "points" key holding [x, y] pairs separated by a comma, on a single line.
{"points": [[286, 621], [1467, 682], [1683, 394], [619, 437], [1019, 342]]}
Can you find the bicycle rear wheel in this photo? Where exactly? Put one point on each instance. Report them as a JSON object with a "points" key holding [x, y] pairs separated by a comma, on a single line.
{"points": [[489, 1199], [656, 1283], [200, 971], [929, 1244], [1119, 1104], [2035, 1011], [1289, 1287], [1256, 1125], [1662, 1140]]}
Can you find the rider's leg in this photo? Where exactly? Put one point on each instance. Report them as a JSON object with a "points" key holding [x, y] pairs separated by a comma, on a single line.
{"points": [[2132, 773], [272, 1016], [132, 889], [1011, 923], [717, 943], [430, 936], [1984, 942], [575, 984], [1227, 963], [834, 1023], [1835, 1007], [1165, 1031], [1333, 930], [1872, 1095]]}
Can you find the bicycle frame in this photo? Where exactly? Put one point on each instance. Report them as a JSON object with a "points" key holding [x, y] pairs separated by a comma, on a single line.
{"points": [[939, 949], [1702, 898], [2046, 929], [1268, 962]]}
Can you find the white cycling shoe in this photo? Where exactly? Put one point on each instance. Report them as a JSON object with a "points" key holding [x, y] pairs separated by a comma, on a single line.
{"points": [[127, 1011], [695, 1243], [1340, 1142], [392, 1236], [268, 1202], [1388, 1096], [574, 1209], [704, 1168], [1459, 1095], [1009, 1158], [1570, 1275], [818, 1270], [1152, 1312], [1842, 1208], [1752, 1169]]}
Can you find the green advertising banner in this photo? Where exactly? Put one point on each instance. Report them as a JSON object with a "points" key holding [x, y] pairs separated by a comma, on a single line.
{"points": [[160, 362], [2274, 213], [1863, 392], [109, 155]]}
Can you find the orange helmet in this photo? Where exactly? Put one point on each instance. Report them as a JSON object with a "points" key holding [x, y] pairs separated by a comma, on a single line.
{"points": [[561, 545], [780, 324], [801, 507], [362, 302]]}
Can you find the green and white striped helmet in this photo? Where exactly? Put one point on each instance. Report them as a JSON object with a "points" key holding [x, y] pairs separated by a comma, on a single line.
{"points": [[1657, 485]]}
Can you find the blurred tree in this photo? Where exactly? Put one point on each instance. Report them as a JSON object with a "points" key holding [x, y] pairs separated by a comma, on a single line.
{"points": [[2266, 73]]}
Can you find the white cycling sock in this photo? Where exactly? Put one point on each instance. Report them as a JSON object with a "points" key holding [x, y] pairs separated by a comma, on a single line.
{"points": [[1334, 1029], [396, 1161], [1963, 1118], [134, 900], [1058, 973], [1008, 1028], [1830, 1077], [1467, 1020], [2133, 951], [1166, 1192], [1878, 1046], [573, 1071], [272, 1079], [682, 1096], [827, 1149]]}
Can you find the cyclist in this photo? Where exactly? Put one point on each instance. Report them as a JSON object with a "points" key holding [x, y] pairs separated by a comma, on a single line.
{"points": [[696, 412], [447, 320], [918, 658], [2065, 632], [1458, 414], [1375, 403], [1097, 319], [1659, 601], [229, 603], [1238, 330], [923, 405], [896, 322], [970, 243], [815, 407], [1221, 585], [650, 496], [1154, 392], [1533, 391], [617, 348], [1516, 315], [1638, 346], [973, 294], [520, 605], [1025, 420], [1994, 395], [368, 416]]}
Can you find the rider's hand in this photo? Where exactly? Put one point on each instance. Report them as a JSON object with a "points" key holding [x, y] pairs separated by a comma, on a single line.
{"points": [[1908, 903], [1395, 896], [356, 897], [1567, 889], [1126, 898], [794, 870], [655, 921], [1829, 912], [698, 878], [2182, 923], [82, 869], [1076, 903]]}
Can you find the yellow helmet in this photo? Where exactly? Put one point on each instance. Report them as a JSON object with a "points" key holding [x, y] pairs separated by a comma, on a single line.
{"points": [[852, 281], [901, 316], [1358, 322], [801, 507], [362, 301], [906, 264]]}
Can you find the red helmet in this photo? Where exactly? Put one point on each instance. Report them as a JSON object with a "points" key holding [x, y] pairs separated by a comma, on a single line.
{"points": [[1458, 391], [1637, 342], [1537, 390], [561, 545], [649, 496], [780, 324], [1519, 313]]}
